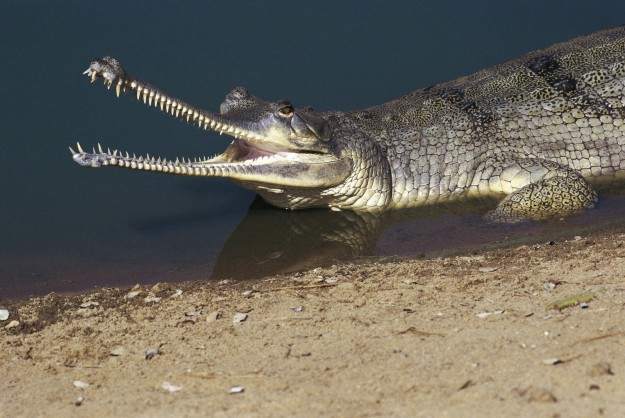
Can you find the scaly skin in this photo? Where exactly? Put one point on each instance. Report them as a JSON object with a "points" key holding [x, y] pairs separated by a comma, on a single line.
{"points": [[533, 130]]}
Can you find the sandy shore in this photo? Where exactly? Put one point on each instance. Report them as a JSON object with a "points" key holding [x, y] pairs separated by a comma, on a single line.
{"points": [[460, 336]]}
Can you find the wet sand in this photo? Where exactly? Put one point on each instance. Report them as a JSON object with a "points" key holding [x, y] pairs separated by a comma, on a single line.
{"points": [[472, 335]]}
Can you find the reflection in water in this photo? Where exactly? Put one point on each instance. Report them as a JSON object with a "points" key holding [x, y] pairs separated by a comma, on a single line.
{"points": [[270, 241]]}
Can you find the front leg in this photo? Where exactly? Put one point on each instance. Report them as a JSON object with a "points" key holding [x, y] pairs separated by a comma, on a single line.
{"points": [[540, 189]]}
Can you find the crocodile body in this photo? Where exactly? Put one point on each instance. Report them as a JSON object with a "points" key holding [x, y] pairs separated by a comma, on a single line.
{"points": [[534, 130]]}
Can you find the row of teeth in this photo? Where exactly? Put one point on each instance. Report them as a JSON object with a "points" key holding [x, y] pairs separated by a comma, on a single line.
{"points": [[173, 107], [117, 158], [196, 166]]}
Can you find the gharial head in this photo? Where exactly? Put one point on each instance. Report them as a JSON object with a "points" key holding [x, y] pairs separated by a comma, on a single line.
{"points": [[292, 156]]}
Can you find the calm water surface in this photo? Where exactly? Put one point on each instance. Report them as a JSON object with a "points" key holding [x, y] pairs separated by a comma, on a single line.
{"points": [[67, 228]]}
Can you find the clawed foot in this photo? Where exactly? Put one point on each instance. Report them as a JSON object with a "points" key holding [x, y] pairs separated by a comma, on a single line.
{"points": [[110, 70]]}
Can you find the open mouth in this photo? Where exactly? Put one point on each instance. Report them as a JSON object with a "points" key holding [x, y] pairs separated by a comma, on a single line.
{"points": [[250, 157], [241, 150]]}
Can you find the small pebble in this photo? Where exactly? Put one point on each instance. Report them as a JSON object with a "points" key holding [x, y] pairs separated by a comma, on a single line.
{"points": [[552, 361], [132, 294], [151, 352], [247, 293], [584, 305], [118, 351], [549, 286], [177, 293], [297, 308], [483, 315], [12, 324], [150, 298], [159, 287], [193, 313], [213, 316], [331, 280], [89, 304], [80, 384], [239, 317], [577, 238], [79, 400], [487, 269], [237, 389], [4, 314], [170, 387]]}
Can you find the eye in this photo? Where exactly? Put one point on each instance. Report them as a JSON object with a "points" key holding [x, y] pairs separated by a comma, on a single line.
{"points": [[286, 111]]}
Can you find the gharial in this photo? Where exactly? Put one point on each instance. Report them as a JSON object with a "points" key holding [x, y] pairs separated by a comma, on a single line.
{"points": [[535, 130]]}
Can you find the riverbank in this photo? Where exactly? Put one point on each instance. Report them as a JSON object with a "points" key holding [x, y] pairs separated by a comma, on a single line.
{"points": [[475, 335]]}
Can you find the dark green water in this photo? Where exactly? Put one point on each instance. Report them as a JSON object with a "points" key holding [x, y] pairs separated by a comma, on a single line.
{"points": [[67, 228]]}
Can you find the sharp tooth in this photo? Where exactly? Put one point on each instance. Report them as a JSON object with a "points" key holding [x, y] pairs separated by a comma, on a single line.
{"points": [[127, 155], [80, 150], [115, 153], [133, 85], [72, 151], [93, 76], [167, 103], [100, 148], [145, 95], [195, 115], [139, 88], [151, 97], [118, 88], [87, 71]]}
